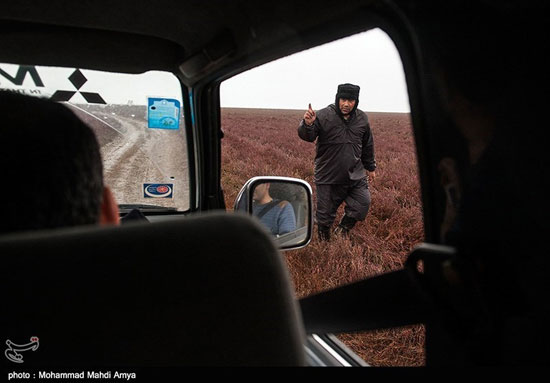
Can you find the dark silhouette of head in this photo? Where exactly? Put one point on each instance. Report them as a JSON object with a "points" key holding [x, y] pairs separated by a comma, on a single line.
{"points": [[51, 166]]}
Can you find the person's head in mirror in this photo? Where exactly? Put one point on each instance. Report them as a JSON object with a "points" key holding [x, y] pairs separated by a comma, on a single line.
{"points": [[261, 194], [52, 163], [276, 214]]}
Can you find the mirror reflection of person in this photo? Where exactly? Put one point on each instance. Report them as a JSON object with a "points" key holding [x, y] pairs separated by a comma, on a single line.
{"points": [[277, 215]]}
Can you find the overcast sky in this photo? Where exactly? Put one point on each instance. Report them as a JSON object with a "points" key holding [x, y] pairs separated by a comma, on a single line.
{"points": [[369, 60]]}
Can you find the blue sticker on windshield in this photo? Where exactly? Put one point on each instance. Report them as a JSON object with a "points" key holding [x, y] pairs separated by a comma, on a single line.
{"points": [[158, 190], [163, 113]]}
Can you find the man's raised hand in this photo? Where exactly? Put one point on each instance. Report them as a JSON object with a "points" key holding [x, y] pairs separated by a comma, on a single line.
{"points": [[309, 116]]}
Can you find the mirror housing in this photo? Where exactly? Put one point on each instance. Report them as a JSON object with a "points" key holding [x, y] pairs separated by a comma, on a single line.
{"points": [[283, 205]]}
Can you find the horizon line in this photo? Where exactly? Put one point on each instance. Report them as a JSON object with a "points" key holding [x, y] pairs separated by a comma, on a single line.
{"points": [[269, 108]]}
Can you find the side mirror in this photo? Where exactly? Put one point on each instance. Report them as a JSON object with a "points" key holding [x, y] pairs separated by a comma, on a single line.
{"points": [[283, 205]]}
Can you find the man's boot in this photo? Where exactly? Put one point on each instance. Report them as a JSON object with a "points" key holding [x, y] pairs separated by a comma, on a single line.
{"points": [[345, 225], [324, 232]]}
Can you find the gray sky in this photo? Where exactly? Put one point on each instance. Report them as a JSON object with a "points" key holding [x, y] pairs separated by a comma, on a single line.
{"points": [[368, 59]]}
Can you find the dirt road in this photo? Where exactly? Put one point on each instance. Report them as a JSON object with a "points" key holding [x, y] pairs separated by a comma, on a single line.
{"points": [[134, 155]]}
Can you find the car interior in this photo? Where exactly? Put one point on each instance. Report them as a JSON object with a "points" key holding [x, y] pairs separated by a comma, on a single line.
{"points": [[200, 286]]}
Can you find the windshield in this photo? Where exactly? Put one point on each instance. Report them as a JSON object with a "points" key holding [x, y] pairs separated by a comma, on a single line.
{"points": [[137, 119]]}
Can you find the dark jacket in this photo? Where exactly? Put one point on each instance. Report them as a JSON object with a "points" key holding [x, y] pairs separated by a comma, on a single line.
{"points": [[344, 148]]}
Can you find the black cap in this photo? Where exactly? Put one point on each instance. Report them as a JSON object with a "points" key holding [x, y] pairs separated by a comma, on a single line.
{"points": [[348, 91]]}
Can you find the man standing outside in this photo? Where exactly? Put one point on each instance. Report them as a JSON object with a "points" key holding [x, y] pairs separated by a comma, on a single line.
{"points": [[344, 161]]}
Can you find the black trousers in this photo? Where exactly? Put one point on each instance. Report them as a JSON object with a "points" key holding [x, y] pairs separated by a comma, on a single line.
{"points": [[356, 196]]}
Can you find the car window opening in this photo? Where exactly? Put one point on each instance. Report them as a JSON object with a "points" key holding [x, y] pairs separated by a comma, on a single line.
{"points": [[262, 110]]}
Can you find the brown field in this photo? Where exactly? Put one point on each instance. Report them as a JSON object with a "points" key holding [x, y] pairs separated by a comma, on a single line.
{"points": [[265, 142]]}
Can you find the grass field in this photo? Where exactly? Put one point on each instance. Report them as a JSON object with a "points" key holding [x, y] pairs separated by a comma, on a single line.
{"points": [[265, 142]]}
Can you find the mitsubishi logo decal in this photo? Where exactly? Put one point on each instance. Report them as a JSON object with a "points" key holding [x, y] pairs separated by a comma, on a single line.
{"points": [[78, 80]]}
